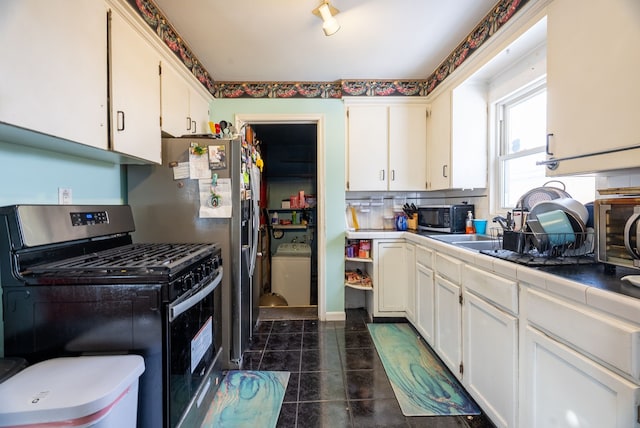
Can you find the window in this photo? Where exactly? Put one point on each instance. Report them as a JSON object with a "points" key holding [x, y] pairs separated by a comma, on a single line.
{"points": [[522, 127]]}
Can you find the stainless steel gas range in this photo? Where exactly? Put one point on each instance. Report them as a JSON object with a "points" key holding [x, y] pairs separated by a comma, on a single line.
{"points": [[74, 283]]}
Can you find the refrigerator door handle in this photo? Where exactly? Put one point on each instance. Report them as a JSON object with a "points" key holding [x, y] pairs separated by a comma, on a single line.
{"points": [[255, 216]]}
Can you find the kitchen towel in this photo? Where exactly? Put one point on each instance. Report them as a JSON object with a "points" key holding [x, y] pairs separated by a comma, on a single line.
{"points": [[421, 383], [247, 399]]}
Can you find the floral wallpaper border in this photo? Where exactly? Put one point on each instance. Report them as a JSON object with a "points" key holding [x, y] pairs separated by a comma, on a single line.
{"points": [[496, 18]]}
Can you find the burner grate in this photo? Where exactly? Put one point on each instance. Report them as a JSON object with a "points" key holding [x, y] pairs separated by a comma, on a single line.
{"points": [[134, 257]]}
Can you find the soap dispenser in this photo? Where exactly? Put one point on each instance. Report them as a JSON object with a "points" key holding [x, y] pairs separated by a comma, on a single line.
{"points": [[469, 224]]}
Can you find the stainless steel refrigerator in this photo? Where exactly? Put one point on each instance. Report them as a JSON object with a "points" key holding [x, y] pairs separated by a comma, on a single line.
{"points": [[169, 205]]}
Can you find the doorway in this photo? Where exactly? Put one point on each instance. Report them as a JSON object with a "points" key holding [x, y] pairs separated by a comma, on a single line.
{"points": [[292, 153]]}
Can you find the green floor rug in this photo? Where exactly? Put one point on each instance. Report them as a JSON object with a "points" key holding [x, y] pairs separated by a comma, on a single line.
{"points": [[422, 385], [247, 399]]}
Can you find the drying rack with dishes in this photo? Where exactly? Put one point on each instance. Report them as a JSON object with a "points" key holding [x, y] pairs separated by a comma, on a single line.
{"points": [[546, 223]]}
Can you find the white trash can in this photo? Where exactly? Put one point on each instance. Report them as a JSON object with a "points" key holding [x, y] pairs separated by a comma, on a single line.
{"points": [[95, 391]]}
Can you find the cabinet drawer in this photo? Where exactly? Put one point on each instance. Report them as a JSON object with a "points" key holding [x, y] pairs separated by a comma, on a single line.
{"points": [[449, 268], [424, 256], [611, 340], [501, 291]]}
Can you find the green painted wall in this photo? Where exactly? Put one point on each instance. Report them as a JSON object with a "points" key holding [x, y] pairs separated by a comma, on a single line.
{"points": [[32, 176], [333, 175]]}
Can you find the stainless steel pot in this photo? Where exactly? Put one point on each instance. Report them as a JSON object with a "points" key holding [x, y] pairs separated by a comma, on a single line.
{"points": [[539, 194]]}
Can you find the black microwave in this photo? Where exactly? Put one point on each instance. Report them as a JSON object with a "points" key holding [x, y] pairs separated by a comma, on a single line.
{"points": [[444, 218]]}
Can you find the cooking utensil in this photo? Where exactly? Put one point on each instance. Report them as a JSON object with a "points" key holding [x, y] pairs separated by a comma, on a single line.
{"points": [[538, 235], [572, 205], [575, 219], [557, 226], [539, 194]]}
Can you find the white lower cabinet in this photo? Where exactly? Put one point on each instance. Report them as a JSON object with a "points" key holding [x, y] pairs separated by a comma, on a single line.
{"points": [[390, 278], [490, 359], [425, 296], [448, 313], [562, 388], [412, 301]]}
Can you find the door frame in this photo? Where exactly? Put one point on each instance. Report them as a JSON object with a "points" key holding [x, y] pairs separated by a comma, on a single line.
{"points": [[317, 119]]}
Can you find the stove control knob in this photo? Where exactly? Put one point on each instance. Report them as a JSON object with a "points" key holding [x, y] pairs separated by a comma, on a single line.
{"points": [[187, 282], [206, 269]]}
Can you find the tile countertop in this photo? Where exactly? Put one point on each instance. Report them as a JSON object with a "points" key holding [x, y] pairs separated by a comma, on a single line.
{"points": [[590, 275]]}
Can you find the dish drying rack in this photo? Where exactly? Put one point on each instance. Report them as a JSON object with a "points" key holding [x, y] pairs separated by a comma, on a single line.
{"points": [[544, 245]]}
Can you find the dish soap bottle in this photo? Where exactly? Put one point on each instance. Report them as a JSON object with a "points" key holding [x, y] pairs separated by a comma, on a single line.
{"points": [[469, 224]]}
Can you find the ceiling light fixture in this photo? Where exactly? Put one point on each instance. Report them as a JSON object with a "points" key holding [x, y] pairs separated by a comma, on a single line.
{"points": [[329, 23]]}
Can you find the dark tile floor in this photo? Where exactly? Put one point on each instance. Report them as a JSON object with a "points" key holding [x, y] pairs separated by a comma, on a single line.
{"points": [[337, 379]]}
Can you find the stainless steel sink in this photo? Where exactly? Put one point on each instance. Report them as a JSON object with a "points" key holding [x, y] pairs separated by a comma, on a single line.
{"points": [[479, 245], [472, 241], [462, 238]]}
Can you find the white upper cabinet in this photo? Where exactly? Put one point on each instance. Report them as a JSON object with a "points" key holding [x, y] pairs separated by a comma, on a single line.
{"points": [[439, 142], [593, 60], [135, 92], [184, 109], [457, 139], [386, 145], [408, 147], [199, 111], [54, 68]]}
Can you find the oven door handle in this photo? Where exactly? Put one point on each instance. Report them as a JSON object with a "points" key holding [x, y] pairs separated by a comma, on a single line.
{"points": [[175, 310], [628, 231]]}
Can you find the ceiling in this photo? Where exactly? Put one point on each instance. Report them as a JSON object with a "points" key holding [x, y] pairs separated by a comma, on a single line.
{"points": [[281, 40]]}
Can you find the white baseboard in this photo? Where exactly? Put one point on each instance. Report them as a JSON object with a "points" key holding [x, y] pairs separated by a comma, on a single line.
{"points": [[333, 316]]}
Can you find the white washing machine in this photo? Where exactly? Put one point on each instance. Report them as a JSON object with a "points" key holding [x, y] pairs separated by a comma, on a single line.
{"points": [[291, 273]]}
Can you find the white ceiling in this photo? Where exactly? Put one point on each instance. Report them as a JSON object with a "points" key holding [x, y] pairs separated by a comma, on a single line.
{"points": [[281, 40]]}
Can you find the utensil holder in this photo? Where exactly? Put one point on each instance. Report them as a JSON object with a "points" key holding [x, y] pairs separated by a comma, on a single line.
{"points": [[412, 222], [513, 241]]}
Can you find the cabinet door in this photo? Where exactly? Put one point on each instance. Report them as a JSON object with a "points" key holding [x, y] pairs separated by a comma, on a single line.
{"points": [[392, 277], [469, 136], [412, 302], [439, 142], [490, 344], [199, 112], [563, 388], [367, 147], [175, 102], [592, 83], [135, 92], [448, 324], [54, 68], [425, 298], [408, 147]]}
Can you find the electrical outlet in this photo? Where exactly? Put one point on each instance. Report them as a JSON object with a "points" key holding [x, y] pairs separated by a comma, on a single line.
{"points": [[64, 196]]}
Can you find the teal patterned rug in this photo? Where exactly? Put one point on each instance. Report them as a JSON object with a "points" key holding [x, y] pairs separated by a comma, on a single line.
{"points": [[247, 399], [422, 385]]}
